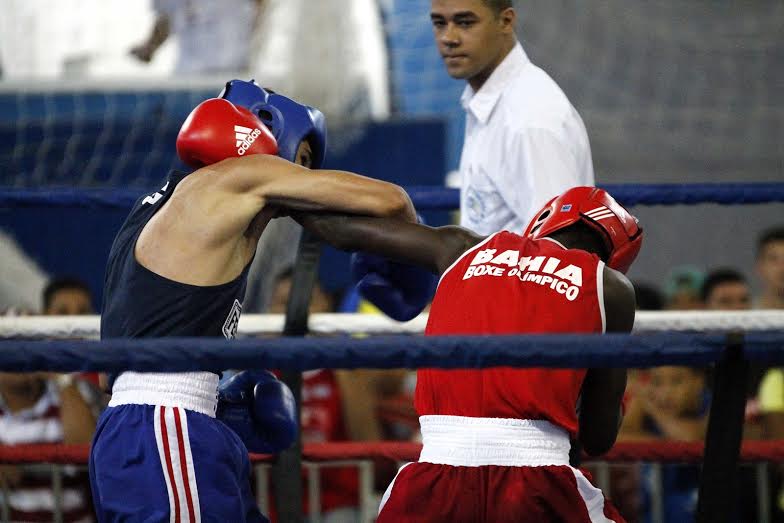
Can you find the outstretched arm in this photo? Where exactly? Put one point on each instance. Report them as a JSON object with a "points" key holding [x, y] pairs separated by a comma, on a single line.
{"points": [[603, 389], [270, 180], [434, 248], [160, 32]]}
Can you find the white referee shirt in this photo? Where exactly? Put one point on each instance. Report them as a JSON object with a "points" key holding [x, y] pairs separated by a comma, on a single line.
{"points": [[524, 144]]}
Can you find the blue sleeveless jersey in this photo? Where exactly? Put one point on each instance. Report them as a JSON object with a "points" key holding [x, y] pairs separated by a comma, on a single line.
{"points": [[138, 303]]}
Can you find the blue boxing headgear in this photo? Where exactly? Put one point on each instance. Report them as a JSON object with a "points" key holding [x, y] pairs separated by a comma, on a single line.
{"points": [[289, 121]]}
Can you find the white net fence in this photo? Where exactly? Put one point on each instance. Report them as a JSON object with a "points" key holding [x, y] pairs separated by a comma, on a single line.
{"points": [[667, 90]]}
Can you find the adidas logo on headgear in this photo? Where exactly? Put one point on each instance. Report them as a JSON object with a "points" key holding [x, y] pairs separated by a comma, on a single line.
{"points": [[245, 137], [599, 213]]}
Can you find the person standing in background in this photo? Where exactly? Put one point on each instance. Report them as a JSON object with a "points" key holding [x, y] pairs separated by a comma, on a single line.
{"points": [[212, 37], [524, 141], [350, 86]]}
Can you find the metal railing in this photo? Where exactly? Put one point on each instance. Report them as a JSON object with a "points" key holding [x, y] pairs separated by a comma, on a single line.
{"points": [[369, 498]]}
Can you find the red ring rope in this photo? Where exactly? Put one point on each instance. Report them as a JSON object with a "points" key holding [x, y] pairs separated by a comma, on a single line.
{"points": [[623, 452]]}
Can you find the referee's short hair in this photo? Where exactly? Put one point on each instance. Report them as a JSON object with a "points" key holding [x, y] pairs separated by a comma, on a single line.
{"points": [[498, 5]]}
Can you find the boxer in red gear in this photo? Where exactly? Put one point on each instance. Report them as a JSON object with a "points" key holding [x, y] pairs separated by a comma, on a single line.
{"points": [[496, 441]]}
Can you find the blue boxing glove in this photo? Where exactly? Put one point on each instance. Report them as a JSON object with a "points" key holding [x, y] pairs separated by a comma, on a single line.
{"points": [[401, 291], [260, 409]]}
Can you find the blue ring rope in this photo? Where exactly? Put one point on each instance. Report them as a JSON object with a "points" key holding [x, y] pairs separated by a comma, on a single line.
{"points": [[435, 198], [381, 352]]}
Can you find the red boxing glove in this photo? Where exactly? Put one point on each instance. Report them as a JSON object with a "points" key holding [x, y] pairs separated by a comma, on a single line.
{"points": [[216, 129]]}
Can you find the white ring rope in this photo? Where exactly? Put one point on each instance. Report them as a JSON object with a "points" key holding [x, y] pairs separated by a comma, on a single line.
{"points": [[87, 327]]}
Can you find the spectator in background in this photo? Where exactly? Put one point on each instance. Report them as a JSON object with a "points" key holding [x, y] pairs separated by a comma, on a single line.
{"points": [[668, 403], [524, 141], [44, 407], [648, 297], [682, 289], [212, 37], [67, 297], [725, 290], [664, 403], [770, 399], [770, 268]]}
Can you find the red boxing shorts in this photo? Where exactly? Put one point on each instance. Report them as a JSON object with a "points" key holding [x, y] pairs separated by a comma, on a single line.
{"points": [[493, 470]]}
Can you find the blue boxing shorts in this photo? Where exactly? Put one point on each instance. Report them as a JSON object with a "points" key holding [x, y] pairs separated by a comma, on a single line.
{"points": [[158, 463]]}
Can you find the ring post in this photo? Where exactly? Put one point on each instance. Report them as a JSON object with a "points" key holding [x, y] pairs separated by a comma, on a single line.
{"points": [[286, 475], [719, 476]]}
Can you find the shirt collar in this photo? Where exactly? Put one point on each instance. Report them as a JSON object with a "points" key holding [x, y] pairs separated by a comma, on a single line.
{"points": [[482, 103]]}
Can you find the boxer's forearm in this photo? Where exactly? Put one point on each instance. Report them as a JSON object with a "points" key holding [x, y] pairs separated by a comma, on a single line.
{"points": [[432, 248], [600, 409], [383, 236], [76, 416]]}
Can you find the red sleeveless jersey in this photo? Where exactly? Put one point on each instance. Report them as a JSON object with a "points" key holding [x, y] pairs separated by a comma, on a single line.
{"points": [[509, 284]]}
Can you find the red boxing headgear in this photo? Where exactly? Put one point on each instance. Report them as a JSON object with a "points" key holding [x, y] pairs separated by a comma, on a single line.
{"points": [[596, 208]]}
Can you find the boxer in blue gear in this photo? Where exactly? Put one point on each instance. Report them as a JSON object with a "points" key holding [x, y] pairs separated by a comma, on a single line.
{"points": [[178, 268], [290, 122]]}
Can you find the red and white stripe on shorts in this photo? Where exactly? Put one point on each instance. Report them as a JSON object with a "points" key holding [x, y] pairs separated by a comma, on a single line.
{"points": [[174, 449]]}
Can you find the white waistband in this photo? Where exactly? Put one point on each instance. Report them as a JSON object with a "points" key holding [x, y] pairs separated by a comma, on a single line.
{"points": [[473, 442], [196, 391]]}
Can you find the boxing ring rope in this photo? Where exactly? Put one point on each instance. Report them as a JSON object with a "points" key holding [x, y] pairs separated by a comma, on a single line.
{"points": [[690, 452], [86, 327], [383, 352], [427, 198]]}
